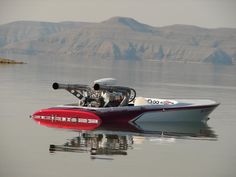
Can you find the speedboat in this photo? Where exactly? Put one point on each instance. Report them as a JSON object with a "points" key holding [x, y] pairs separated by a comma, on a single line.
{"points": [[107, 103]]}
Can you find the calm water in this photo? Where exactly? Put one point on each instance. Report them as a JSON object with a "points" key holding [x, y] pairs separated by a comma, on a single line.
{"points": [[204, 150]]}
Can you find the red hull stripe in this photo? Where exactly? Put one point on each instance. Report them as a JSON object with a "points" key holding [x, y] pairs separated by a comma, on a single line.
{"points": [[69, 119]]}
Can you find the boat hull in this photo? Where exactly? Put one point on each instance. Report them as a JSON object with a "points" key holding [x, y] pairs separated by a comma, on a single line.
{"points": [[176, 115], [71, 117], [158, 114]]}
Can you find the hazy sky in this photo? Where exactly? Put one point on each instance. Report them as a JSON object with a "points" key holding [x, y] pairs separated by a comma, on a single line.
{"points": [[205, 13]]}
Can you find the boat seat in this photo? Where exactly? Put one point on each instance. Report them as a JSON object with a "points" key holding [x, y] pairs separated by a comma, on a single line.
{"points": [[140, 101]]}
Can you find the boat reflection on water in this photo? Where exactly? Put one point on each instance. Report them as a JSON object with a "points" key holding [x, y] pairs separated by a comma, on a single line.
{"points": [[117, 139], [96, 144]]}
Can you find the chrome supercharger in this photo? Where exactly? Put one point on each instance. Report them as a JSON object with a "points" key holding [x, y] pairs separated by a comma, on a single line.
{"points": [[104, 93]]}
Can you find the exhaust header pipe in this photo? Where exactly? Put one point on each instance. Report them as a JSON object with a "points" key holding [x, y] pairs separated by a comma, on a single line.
{"points": [[111, 88], [69, 86], [74, 89]]}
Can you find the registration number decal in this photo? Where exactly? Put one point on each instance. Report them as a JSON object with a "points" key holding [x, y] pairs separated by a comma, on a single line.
{"points": [[160, 101]]}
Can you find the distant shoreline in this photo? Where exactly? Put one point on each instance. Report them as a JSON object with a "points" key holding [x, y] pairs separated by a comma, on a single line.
{"points": [[9, 61]]}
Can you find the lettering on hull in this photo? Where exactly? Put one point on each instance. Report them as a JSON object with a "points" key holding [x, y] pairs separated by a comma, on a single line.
{"points": [[67, 119]]}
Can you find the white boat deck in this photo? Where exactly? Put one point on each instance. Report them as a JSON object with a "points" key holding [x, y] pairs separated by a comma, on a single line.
{"points": [[155, 103]]}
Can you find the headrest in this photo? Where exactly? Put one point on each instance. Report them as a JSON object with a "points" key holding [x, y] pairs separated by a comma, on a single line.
{"points": [[140, 101]]}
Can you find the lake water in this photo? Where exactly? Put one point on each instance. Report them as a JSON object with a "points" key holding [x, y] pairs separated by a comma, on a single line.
{"points": [[206, 150]]}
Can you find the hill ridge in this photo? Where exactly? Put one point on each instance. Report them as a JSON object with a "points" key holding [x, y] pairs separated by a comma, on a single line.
{"points": [[121, 38]]}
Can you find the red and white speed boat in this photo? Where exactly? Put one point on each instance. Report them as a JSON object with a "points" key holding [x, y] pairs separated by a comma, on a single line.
{"points": [[107, 103]]}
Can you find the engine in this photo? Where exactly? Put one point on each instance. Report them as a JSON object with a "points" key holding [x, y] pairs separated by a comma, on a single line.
{"points": [[103, 94]]}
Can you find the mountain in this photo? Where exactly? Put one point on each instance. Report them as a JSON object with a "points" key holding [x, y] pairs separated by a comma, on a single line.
{"points": [[121, 38], [28, 30]]}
